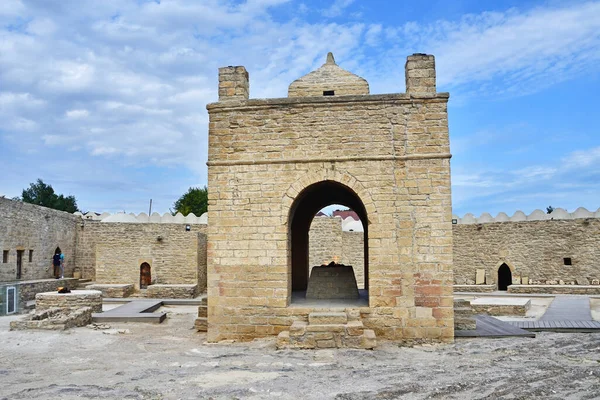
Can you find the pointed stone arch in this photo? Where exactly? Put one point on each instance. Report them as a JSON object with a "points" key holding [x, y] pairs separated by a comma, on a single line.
{"points": [[325, 174], [504, 273]]}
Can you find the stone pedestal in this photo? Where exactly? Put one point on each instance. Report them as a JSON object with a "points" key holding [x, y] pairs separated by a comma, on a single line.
{"points": [[65, 301], [113, 290], [336, 282], [172, 291]]}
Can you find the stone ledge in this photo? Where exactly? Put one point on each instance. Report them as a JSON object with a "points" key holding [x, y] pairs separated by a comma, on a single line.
{"points": [[402, 98], [501, 306], [555, 289], [69, 301], [475, 288], [55, 319], [113, 290], [172, 291]]}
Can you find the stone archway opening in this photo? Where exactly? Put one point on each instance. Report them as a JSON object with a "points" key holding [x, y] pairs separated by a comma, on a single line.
{"points": [[504, 277], [306, 205], [145, 275]]}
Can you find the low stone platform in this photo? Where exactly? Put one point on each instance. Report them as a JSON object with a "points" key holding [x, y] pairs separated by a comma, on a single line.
{"points": [[113, 290], [172, 291], [327, 330], [332, 282], [134, 311], [55, 319], [69, 301], [555, 289], [475, 288], [464, 317], [501, 306]]}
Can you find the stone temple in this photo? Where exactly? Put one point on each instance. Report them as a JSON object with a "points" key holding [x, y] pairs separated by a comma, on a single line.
{"points": [[274, 163], [257, 253]]}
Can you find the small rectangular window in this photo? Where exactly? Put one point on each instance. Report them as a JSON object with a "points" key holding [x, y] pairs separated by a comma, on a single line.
{"points": [[568, 261], [30, 255], [5, 256], [328, 93]]}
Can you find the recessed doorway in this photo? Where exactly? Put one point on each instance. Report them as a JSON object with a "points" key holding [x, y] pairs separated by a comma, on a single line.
{"points": [[145, 275], [504, 277]]}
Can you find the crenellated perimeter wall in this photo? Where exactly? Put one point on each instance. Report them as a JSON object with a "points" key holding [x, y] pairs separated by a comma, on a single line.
{"points": [[538, 247], [533, 246]]}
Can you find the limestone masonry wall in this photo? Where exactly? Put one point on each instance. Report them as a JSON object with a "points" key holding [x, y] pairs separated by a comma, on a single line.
{"points": [[113, 252], [39, 230], [327, 242], [532, 249]]}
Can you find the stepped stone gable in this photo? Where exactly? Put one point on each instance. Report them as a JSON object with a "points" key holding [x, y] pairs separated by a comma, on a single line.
{"points": [[329, 78], [273, 163]]}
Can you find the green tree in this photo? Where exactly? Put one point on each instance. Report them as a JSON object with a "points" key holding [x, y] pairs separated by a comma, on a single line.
{"points": [[195, 200], [43, 195]]}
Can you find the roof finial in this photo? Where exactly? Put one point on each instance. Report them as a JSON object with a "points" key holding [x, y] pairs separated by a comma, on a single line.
{"points": [[330, 59]]}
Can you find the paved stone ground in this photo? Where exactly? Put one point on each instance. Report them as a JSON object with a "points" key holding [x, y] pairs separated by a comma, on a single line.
{"points": [[568, 308], [171, 361]]}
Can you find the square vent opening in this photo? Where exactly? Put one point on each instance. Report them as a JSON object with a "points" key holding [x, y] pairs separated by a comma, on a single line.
{"points": [[567, 261]]}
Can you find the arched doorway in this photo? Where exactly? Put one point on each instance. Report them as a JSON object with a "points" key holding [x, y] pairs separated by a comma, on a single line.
{"points": [[312, 199], [145, 275], [504, 277]]}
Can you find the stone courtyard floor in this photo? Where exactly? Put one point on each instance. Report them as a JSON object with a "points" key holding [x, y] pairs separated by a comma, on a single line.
{"points": [[172, 361]]}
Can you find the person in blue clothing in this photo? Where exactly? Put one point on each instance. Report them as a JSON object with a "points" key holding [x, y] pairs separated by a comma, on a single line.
{"points": [[62, 266], [56, 264]]}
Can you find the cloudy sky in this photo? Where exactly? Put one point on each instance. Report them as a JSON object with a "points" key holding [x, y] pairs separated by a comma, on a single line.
{"points": [[106, 100]]}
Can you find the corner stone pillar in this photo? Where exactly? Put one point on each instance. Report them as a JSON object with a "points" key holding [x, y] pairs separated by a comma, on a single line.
{"points": [[233, 83], [420, 74]]}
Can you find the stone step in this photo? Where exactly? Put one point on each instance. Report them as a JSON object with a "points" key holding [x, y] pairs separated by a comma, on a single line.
{"points": [[327, 318], [463, 311], [201, 324], [298, 328], [465, 323], [202, 311], [369, 340], [355, 328], [326, 328], [461, 303], [303, 335]]}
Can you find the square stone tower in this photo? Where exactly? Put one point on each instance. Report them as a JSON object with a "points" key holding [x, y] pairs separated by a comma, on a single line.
{"points": [[274, 163]]}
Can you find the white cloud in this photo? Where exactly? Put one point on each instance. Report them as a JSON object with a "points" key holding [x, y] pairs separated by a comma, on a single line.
{"points": [[583, 158], [41, 27], [128, 81], [337, 8], [508, 53], [77, 114]]}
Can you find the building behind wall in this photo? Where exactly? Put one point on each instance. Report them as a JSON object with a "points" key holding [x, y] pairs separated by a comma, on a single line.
{"points": [[173, 247], [33, 233], [328, 242]]}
